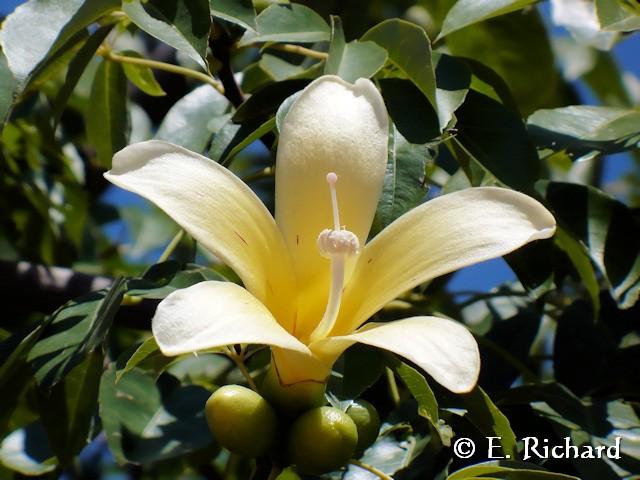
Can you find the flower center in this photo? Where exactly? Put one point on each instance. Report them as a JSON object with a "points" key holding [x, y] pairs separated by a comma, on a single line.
{"points": [[336, 245]]}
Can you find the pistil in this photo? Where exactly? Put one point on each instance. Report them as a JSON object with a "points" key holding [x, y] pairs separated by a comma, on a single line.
{"points": [[336, 245]]}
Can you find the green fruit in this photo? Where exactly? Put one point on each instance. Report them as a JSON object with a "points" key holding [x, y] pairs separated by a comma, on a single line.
{"points": [[294, 398], [367, 421], [322, 440], [241, 420]]}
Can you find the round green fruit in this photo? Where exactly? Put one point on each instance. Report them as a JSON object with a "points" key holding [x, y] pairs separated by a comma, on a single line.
{"points": [[367, 421], [322, 440], [241, 420], [294, 398]]}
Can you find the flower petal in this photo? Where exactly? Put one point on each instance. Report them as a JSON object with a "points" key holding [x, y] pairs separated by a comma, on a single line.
{"points": [[218, 210], [438, 237], [333, 126], [213, 314], [444, 349]]}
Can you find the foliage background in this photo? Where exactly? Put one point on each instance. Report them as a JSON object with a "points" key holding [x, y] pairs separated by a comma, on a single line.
{"points": [[85, 393]]}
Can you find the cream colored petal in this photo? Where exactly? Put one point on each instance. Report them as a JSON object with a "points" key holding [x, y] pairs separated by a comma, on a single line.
{"points": [[442, 235], [444, 349], [218, 210], [213, 314], [333, 126]]}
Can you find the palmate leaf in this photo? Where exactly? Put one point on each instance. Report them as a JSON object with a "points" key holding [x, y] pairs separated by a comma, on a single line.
{"points": [[489, 420], [8, 86], [517, 48], [617, 15], [290, 22], [145, 421], [142, 76], [67, 409], [164, 278], [586, 422], [352, 60], [107, 118], [76, 68], [192, 120], [33, 33], [358, 368], [409, 51], [405, 179], [393, 451], [581, 129], [506, 470], [606, 227], [36, 29], [483, 126], [183, 24], [75, 329], [468, 12], [240, 12]]}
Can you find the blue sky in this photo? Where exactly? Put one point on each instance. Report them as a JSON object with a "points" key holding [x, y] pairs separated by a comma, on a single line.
{"points": [[484, 276]]}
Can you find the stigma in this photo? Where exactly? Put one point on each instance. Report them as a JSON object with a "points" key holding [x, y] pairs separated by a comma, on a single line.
{"points": [[336, 245]]}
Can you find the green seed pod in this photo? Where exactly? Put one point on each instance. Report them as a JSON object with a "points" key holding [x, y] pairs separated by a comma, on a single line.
{"points": [[367, 421], [241, 420], [322, 440]]}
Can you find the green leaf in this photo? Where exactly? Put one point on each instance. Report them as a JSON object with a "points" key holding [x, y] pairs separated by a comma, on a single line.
{"points": [[489, 420], [193, 119], [497, 139], [468, 12], [266, 101], [579, 256], [580, 129], [405, 179], [164, 278], [17, 350], [352, 60], [355, 371], [405, 103], [614, 17], [142, 76], [256, 134], [27, 451], [77, 328], [182, 24], [147, 353], [240, 12], [427, 403], [37, 28], [76, 68], [587, 423], [605, 226], [453, 79], [288, 23], [67, 409], [394, 450], [106, 117], [409, 51], [516, 46], [146, 422], [508, 471], [8, 87]]}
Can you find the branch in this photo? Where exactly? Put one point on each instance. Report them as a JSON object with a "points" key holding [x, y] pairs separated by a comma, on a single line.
{"points": [[307, 52], [30, 287], [167, 67]]}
